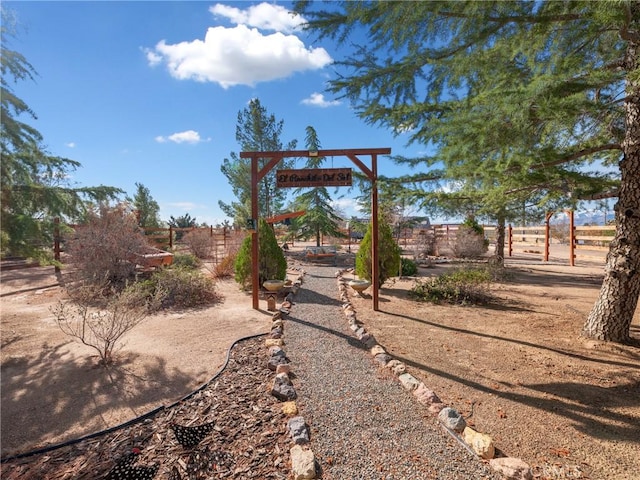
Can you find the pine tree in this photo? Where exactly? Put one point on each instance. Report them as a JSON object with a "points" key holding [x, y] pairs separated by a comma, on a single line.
{"points": [[256, 131], [514, 96], [320, 217], [35, 186], [147, 208]]}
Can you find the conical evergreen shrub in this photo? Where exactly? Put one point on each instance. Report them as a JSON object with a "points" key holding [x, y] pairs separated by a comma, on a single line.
{"points": [[388, 254], [272, 264]]}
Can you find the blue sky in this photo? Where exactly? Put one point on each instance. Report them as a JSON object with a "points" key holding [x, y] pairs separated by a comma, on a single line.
{"points": [[149, 92]]}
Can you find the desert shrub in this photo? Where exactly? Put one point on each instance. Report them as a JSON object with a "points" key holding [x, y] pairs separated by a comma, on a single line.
{"points": [[272, 264], [199, 242], [100, 321], [225, 268], [186, 260], [408, 267], [424, 244], [461, 286], [388, 254], [182, 287], [470, 241], [101, 250]]}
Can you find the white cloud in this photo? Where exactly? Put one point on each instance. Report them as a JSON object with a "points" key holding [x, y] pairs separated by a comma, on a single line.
{"points": [[265, 16], [241, 55], [348, 206], [71, 144], [318, 100], [188, 136]]}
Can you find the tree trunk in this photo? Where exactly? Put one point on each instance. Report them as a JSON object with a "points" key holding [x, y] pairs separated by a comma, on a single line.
{"points": [[611, 317]]}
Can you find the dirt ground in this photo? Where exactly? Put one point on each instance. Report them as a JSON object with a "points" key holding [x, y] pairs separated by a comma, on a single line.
{"points": [[51, 388], [517, 368]]}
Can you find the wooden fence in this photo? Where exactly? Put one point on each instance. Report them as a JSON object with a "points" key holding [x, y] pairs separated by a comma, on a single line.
{"points": [[580, 242]]}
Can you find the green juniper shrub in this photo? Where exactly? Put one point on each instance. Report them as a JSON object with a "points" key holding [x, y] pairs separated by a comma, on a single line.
{"points": [[388, 254], [186, 260], [409, 267], [461, 286], [272, 264]]}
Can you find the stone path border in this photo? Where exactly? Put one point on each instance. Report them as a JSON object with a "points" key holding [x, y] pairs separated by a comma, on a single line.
{"points": [[303, 464], [479, 444]]}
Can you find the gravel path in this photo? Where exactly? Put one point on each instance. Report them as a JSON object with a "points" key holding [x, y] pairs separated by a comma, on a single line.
{"points": [[363, 424]]}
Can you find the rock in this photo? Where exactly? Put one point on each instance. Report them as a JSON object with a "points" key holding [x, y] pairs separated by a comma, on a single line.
{"points": [[426, 396], [480, 443], [283, 368], [451, 419], [368, 340], [298, 430], [276, 351], [408, 381], [274, 342], [283, 388], [303, 463], [383, 358], [290, 408], [277, 316], [397, 367], [275, 333], [376, 350], [511, 468], [277, 323], [276, 360], [436, 408]]}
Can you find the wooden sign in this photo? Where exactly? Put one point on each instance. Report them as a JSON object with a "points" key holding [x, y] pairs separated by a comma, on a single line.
{"points": [[314, 177]]}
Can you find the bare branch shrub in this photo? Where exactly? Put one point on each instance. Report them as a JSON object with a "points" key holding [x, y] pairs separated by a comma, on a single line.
{"points": [[200, 242], [98, 322], [226, 268], [424, 244], [103, 250], [469, 243]]}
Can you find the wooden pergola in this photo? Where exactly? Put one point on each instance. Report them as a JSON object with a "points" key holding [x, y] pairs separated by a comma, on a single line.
{"points": [[258, 174]]}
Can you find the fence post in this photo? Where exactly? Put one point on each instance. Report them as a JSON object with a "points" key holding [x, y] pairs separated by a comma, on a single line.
{"points": [[572, 240], [510, 234], [547, 236], [171, 237]]}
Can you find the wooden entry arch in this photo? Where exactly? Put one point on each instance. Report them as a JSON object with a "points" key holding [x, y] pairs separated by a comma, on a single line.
{"points": [[275, 157]]}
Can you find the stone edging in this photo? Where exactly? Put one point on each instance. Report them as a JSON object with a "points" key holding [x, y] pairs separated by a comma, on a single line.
{"points": [[303, 463], [453, 422]]}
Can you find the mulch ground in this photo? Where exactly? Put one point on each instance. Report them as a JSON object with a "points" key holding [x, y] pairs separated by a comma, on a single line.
{"points": [[249, 438]]}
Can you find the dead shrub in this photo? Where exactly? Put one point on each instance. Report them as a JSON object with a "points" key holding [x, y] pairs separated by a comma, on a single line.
{"points": [[101, 250], [183, 288], [225, 268], [100, 322], [469, 243], [200, 242]]}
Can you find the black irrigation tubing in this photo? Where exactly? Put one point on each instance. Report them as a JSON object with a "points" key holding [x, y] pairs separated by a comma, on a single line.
{"points": [[137, 419]]}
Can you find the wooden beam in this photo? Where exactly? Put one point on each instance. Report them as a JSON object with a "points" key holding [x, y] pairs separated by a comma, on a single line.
{"points": [[255, 278], [375, 253], [284, 216], [321, 153]]}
